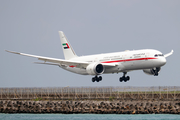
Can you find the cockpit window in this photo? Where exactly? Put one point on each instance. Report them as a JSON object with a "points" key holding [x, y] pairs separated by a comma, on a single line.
{"points": [[156, 55]]}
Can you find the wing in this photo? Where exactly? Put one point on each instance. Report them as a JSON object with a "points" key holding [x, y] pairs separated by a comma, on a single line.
{"points": [[166, 55], [78, 64]]}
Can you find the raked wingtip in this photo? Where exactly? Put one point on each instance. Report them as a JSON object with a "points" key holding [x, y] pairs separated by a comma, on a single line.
{"points": [[12, 52]]}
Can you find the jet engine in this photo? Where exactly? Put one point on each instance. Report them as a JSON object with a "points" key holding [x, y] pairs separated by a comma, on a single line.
{"points": [[153, 71], [95, 69]]}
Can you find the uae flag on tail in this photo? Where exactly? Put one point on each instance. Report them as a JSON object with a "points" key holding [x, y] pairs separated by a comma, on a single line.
{"points": [[66, 46]]}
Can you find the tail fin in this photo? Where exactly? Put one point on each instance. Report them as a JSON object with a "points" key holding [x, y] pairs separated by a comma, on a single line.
{"points": [[67, 49]]}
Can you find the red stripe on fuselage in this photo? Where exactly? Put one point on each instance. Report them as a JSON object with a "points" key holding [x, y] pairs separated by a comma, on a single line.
{"points": [[128, 60]]}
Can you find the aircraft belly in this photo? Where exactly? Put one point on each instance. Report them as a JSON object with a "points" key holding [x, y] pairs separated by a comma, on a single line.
{"points": [[112, 69]]}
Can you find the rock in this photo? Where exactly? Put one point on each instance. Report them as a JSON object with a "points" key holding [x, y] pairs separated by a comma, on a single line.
{"points": [[98, 107], [134, 112]]}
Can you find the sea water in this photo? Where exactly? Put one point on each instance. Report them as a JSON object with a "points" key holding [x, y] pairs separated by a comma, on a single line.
{"points": [[88, 117]]}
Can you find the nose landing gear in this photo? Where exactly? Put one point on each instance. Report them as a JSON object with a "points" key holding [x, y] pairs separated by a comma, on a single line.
{"points": [[156, 71], [124, 78], [96, 78]]}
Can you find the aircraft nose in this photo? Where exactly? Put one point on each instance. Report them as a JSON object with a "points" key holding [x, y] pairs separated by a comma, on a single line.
{"points": [[163, 61]]}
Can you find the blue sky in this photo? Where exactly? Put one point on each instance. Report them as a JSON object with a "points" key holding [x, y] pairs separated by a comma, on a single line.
{"points": [[92, 27]]}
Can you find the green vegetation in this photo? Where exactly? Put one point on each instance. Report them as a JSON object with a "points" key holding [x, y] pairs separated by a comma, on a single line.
{"points": [[111, 98], [37, 99]]}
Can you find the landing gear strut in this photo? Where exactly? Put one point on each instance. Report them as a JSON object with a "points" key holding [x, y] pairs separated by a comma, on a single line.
{"points": [[156, 71], [124, 78], [96, 78]]}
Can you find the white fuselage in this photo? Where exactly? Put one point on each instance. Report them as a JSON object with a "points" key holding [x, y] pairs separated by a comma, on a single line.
{"points": [[125, 61]]}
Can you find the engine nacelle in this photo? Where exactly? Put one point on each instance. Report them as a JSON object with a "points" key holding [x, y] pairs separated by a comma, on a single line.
{"points": [[151, 71], [95, 69]]}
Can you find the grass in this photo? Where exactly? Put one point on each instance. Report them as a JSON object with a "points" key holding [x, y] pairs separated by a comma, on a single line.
{"points": [[37, 99]]}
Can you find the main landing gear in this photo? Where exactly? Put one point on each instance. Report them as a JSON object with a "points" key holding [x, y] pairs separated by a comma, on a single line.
{"points": [[124, 78], [96, 78]]}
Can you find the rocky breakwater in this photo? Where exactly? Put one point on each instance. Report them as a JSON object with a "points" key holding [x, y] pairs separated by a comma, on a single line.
{"points": [[94, 107]]}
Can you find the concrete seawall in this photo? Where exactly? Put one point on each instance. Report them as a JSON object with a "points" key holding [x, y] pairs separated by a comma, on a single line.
{"points": [[90, 106]]}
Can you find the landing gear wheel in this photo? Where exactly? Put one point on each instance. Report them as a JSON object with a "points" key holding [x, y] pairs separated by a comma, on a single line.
{"points": [[120, 79], [156, 74], [100, 78], [128, 78], [96, 78], [156, 71], [124, 78], [93, 79]]}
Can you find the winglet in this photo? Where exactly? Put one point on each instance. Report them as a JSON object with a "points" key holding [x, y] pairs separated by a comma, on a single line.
{"points": [[166, 55]]}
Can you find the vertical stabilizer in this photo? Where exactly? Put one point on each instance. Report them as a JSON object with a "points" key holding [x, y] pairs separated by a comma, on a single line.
{"points": [[66, 46]]}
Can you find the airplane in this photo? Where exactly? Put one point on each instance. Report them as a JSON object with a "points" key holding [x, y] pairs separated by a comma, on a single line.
{"points": [[148, 60]]}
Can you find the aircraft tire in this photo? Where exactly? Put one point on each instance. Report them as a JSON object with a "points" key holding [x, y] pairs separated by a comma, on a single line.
{"points": [[100, 78], [128, 78], [156, 74], [120, 79], [93, 79]]}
